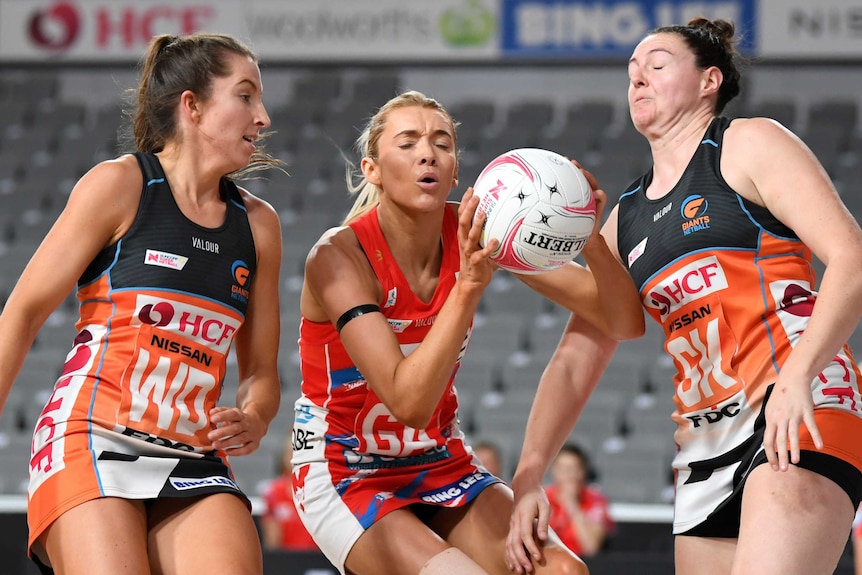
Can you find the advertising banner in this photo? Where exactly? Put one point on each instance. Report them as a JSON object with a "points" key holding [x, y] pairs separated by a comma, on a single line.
{"points": [[68, 31], [342, 30], [297, 31], [801, 29], [609, 29], [405, 31]]}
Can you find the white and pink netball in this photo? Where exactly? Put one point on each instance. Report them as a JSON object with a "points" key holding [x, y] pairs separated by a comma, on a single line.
{"points": [[538, 205]]}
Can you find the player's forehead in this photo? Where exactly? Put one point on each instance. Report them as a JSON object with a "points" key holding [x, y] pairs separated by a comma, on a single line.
{"points": [[242, 71], [661, 43], [417, 121]]}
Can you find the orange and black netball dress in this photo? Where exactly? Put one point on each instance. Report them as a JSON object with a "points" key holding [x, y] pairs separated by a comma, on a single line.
{"points": [[733, 289], [158, 312], [353, 461]]}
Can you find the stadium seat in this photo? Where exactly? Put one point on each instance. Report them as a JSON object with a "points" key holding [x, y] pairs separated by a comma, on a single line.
{"points": [[476, 117], [372, 89], [839, 114], [829, 143], [531, 117], [14, 462], [318, 89], [254, 470], [782, 110], [635, 474]]}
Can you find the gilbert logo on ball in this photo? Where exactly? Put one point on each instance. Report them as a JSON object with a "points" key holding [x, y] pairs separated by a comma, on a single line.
{"points": [[539, 206]]}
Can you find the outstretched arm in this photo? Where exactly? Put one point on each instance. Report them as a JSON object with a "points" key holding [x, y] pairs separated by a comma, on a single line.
{"points": [[572, 373], [602, 293], [95, 216]]}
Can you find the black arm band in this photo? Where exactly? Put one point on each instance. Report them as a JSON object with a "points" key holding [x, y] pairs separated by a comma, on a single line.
{"points": [[354, 313]]}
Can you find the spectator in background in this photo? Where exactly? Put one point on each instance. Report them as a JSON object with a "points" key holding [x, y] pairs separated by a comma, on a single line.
{"points": [[489, 454], [580, 513], [281, 527]]}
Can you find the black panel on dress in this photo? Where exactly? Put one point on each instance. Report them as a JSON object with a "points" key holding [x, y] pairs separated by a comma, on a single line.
{"points": [[217, 263], [702, 212]]}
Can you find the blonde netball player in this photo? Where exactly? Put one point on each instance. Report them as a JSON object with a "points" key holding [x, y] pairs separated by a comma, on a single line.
{"points": [[383, 478], [718, 237], [174, 264]]}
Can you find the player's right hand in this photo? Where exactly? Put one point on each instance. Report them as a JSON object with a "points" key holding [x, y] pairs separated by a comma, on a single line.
{"points": [[599, 196], [528, 529]]}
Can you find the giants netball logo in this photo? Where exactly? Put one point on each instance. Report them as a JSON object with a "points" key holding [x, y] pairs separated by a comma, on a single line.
{"points": [[241, 276], [693, 212], [55, 27]]}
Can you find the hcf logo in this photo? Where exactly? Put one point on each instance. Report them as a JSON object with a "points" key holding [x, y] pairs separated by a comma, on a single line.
{"points": [[56, 27], [689, 283]]}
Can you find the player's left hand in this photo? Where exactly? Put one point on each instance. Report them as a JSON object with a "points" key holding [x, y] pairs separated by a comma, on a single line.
{"points": [[234, 431], [528, 526], [476, 266], [789, 406]]}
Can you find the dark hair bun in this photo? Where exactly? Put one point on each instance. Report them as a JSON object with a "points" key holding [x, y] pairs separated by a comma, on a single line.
{"points": [[723, 30]]}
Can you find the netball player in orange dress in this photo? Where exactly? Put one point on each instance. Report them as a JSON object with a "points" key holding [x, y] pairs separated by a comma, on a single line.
{"points": [[174, 265], [383, 478], [718, 237]]}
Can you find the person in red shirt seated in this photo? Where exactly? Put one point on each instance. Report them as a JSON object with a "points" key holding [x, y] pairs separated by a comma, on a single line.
{"points": [[281, 526], [580, 513]]}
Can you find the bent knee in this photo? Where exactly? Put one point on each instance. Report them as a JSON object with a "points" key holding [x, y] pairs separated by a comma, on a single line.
{"points": [[564, 562], [573, 567]]}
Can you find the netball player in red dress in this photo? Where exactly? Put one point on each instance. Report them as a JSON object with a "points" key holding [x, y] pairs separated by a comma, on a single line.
{"points": [[382, 476]]}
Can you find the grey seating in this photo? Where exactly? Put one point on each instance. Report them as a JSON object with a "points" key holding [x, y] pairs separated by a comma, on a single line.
{"points": [[592, 117], [14, 462], [476, 117], [532, 117], [315, 122], [254, 470], [839, 114], [782, 110], [321, 87], [370, 90], [635, 474]]}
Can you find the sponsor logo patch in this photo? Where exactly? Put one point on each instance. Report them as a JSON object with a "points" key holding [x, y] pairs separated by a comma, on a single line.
{"points": [[186, 483], [165, 260], [455, 491], [637, 251], [689, 284]]}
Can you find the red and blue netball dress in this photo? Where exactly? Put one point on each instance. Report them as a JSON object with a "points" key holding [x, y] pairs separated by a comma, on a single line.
{"points": [[353, 461]]}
